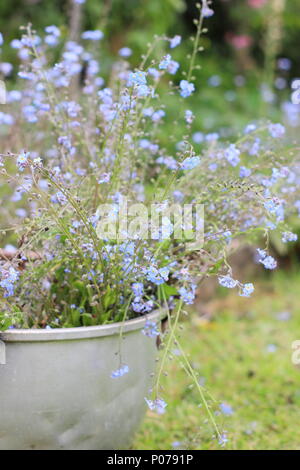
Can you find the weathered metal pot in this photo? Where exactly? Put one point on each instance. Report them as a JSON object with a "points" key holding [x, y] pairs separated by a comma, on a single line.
{"points": [[56, 390]]}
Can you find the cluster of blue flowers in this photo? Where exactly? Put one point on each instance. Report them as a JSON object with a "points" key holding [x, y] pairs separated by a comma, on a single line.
{"points": [[158, 405], [277, 131], [138, 80], [232, 155], [95, 35], [157, 275], [289, 237], [150, 329], [124, 369], [266, 260], [245, 290], [186, 88], [188, 295], [52, 36], [22, 160], [8, 278], [190, 163]]}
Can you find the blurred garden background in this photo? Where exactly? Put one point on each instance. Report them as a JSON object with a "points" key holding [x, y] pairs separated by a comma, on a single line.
{"points": [[250, 52], [249, 61]]}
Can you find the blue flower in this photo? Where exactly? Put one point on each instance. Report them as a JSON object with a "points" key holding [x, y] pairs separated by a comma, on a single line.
{"points": [[71, 107], [289, 237], [8, 279], [104, 178], [92, 35], [190, 163], [176, 444], [158, 115], [268, 261], [227, 235], [226, 409], [212, 137], [52, 30], [186, 88], [125, 52], [187, 296], [284, 63], [59, 198], [249, 128], [244, 172], [150, 329], [154, 72], [120, 372], [227, 281], [271, 205], [51, 40], [140, 306], [137, 289], [22, 160], [157, 276], [223, 439], [173, 67], [143, 90], [65, 141], [189, 116], [232, 155], [157, 405], [276, 130], [274, 206], [30, 113], [247, 290], [206, 11], [164, 63], [271, 348], [175, 41], [30, 41], [261, 253], [137, 78], [1, 39]]}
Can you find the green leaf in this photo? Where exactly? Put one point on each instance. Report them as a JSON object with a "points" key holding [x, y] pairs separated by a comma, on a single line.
{"points": [[8, 319], [168, 291], [87, 319], [215, 269], [109, 298], [75, 315]]}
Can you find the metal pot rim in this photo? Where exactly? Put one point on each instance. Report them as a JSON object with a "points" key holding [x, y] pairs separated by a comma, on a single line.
{"points": [[85, 332]]}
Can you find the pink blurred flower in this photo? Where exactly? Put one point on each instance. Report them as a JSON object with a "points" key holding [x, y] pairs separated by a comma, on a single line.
{"points": [[256, 3], [239, 41]]}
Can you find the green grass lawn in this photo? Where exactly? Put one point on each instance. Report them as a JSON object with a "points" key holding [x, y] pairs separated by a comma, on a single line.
{"points": [[243, 357]]}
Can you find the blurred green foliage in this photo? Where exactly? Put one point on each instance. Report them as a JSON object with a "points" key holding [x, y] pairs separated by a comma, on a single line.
{"points": [[134, 22]]}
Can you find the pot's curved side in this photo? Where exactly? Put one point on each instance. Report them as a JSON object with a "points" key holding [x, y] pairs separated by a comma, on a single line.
{"points": [[59, 394]]}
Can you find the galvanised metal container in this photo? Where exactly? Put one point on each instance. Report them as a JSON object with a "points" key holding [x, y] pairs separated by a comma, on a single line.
{"points": [[56, 390]]}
